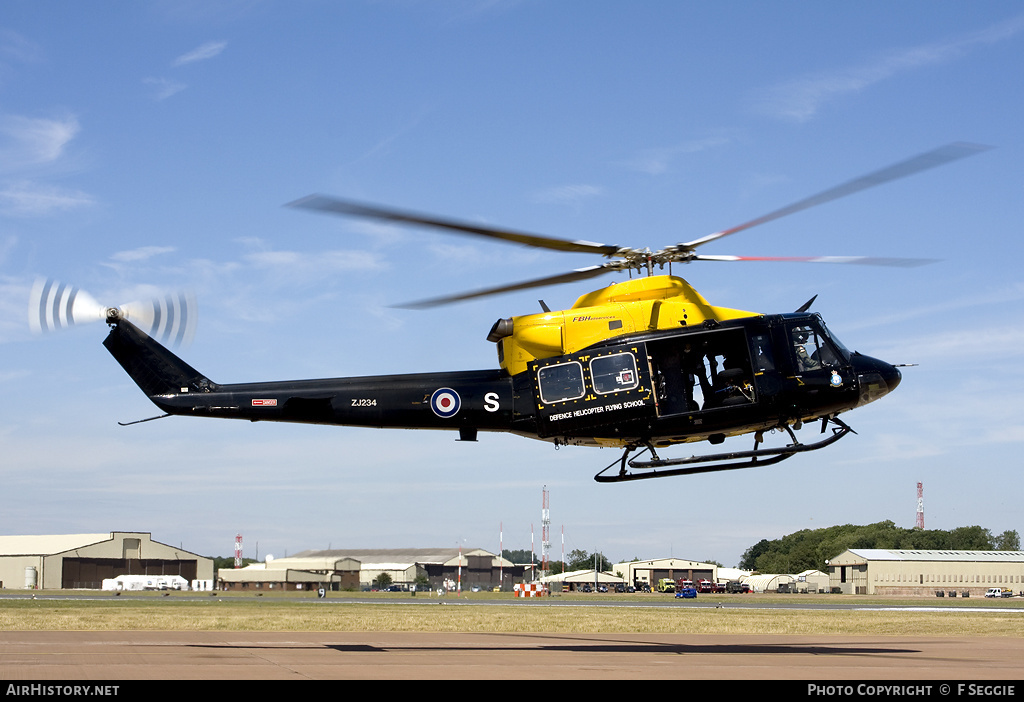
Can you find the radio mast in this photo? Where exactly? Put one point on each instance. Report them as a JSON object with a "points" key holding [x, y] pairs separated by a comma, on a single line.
{"points": [[919, 524], [545, 535]]}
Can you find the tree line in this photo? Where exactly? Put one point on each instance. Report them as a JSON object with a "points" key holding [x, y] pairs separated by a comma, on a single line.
{"points": [[577, 559], [809, 549]]}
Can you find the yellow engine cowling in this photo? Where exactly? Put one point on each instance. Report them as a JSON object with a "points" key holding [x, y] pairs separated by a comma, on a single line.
{"points": [[641, 304]]}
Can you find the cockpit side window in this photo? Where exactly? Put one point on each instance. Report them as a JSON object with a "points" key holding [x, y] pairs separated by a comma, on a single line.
{"points": [[843, 351], [812, 349]]}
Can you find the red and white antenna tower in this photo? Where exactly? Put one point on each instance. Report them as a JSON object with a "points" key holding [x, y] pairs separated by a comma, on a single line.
{"points": [[238, 551], [545, 536], [533, 557], [919, 524]]}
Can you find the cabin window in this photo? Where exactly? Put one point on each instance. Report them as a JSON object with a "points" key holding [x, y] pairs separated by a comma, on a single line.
{"points": [[613, 373], [560, 382]]}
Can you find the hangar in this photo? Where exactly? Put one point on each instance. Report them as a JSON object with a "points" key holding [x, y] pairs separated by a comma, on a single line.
{"points": [[293, 574], [811, 581], [71, 561], [871, 571], [770, 582], [574, 580], [641, 573], [437, 567]]}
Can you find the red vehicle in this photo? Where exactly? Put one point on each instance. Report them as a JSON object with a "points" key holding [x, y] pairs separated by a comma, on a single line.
{"points": [[706, 585]]}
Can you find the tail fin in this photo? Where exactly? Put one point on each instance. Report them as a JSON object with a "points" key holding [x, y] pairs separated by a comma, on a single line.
{"points": [[153, 368]]}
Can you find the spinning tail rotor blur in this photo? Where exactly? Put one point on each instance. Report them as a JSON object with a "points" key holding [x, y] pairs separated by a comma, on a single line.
{"points": [[170, 318]]}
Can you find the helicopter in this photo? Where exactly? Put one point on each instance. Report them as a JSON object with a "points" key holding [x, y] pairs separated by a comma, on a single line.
{"points": [[640, 365]]}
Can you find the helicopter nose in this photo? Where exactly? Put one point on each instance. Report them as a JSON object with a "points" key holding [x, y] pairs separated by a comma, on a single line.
{"points": [[876, 378], [892, 376]]}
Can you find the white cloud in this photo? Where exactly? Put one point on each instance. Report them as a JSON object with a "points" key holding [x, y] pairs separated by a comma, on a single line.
{"points": [[983, 299], [17, 48], [164, 88], [28, 141], [571, 194], [958, 346], [32, 199], [305, 267], [202, 53], [141, 253], [800, 99], [35, 145], [315, 264], [656, 161]]}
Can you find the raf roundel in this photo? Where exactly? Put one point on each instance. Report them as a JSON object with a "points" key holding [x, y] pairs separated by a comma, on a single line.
{"points": [[445, 402]]}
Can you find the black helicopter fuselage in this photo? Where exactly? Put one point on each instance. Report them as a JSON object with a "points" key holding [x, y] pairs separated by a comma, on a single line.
{"points": [[655, 388], [640, 364]]}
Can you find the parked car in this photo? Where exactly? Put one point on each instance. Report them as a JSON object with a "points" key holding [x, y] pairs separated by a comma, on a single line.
{"points": [[687, 591]]}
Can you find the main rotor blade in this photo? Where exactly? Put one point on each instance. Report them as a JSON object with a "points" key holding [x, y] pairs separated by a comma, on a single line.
{"points": [[931, 159], [857, 260], [578, 274], [323, 203]]}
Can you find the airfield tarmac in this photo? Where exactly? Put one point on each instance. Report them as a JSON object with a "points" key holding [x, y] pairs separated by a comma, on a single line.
{"points": [[94, 653], [230, 655]]}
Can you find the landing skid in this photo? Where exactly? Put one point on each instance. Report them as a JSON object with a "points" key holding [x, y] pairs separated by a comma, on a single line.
{"points": [[697, 464]]}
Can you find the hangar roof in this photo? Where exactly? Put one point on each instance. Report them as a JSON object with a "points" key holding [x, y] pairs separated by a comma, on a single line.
{"points": [[662, 563], [374, 558], [48, 544], [58, 544], [882, 554], [309, 563], [582, 576]]}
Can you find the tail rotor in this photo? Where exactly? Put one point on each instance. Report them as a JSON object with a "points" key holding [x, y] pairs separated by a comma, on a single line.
{"points": [[170, 319]]}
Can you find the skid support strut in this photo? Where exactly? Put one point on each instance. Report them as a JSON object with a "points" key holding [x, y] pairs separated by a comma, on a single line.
{"points": [[700, 464]]}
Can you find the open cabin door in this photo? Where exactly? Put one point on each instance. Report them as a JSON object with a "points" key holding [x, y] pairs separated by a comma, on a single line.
{"points": [[708, 370], [588, 390]]}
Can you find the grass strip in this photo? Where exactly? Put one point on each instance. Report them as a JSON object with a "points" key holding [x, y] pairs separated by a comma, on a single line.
{"points": [[285, 615]]}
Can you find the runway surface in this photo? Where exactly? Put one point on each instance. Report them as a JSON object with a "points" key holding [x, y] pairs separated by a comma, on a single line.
{"points": [[204, 655]]}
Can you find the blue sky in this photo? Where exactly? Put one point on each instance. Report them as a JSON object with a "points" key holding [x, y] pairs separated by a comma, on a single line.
{"points": [[151, 146]]}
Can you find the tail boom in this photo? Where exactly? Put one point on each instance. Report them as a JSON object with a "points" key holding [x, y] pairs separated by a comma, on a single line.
{"points": [[464, 400]]}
